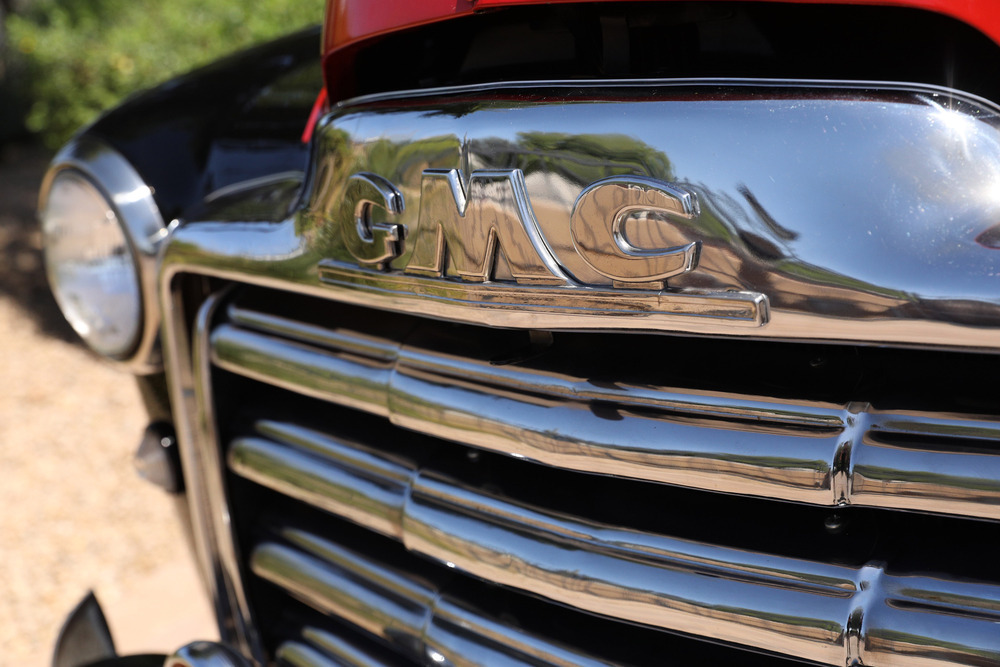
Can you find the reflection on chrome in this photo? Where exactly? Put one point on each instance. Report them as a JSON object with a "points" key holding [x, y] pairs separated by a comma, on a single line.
{"points": [[205, 654], [601, 234], [821, 454], [318, 648], [409, 614], [303, 655], [812, 223], [816, 611], [797, 216]]}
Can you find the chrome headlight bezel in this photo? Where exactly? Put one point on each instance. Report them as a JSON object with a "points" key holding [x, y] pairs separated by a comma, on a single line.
{"points": [[131, 201]]}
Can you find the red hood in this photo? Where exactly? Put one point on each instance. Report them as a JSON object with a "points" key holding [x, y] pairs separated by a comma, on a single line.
{"points": [[350, 21]]}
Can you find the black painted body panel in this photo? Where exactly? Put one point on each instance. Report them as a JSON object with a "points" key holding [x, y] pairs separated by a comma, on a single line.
{"points": [[237, 119]]}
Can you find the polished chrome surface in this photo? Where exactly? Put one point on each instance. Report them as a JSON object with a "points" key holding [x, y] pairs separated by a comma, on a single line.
{"points": [[303, 655], [180, 376], [319, 648], [533, 306], [488, 230], [141, 222], [411, 615], [798, 214], [189, 382], [232, 607], [812, 222], [816, 611], [599, 225], [822, 454], [465, 230], [373, 244], [205, 654]]}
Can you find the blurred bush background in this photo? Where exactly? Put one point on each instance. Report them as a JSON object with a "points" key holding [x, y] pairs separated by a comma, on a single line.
{"points": [[62, 62], [74, 514]]}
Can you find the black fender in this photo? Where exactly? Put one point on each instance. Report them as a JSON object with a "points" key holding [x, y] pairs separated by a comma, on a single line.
{"points": [[238, 119]]}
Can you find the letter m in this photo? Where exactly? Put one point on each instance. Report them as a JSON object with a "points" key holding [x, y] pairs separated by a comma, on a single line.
{"points": [[466, 231]]}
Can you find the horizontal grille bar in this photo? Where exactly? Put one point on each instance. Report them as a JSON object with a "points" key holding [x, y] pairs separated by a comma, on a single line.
{"points": [[816, 611], [304, 653], [411, 615], [815, 453], [296, 654]]}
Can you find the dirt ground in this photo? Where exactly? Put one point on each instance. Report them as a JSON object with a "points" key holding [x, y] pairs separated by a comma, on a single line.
{"points": [[74, 516]]}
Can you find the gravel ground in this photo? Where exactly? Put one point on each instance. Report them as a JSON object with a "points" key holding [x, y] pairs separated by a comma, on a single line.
{"points": [[75, 516]]}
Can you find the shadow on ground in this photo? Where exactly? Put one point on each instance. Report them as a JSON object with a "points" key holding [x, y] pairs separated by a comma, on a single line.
{"points": [[22, 270]]}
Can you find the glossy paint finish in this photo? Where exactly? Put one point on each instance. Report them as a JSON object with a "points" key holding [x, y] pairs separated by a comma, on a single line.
{"points": [[235, 120], [351, 21], [821, 454], [851, 233], [826, 613]]}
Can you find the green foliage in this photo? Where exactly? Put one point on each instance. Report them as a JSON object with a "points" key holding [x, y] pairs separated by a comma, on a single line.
{"points": [[80, 57]]}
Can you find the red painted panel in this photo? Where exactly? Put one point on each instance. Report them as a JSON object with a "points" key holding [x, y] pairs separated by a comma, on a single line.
{"points": [[349, 21]]}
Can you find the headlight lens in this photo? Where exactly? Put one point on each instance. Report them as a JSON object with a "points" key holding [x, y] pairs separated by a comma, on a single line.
{"points": [[90, 265]]}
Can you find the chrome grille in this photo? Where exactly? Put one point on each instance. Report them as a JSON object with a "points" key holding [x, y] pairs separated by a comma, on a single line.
{"points": [[812, 452], [464, 455]]}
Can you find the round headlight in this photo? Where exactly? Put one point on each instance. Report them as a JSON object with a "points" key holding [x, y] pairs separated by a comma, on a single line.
{"points": [[91, 265]]}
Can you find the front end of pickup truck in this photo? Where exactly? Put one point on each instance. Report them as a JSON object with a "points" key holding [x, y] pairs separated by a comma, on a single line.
{"points": [[565, 333]]}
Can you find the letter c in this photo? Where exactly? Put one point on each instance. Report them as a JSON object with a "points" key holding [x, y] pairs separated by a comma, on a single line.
{"points": [[597, 225]]}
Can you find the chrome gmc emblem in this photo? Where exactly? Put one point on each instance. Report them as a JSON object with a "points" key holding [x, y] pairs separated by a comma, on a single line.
{"points": [[462, 232]]}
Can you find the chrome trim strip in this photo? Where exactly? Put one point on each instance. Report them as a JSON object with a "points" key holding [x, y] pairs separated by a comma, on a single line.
{"points": [[368, 492], [181, 385], [575, 86], [205, 654], [227, 573], [360, 383], [815, 611], [412, 616], [531, 306], [342, 339], [142, 224], [188, 361], [301, 655], [818, 454], [342, 652]]}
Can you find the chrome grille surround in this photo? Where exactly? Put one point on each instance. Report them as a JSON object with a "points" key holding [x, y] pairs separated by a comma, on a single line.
{"points": [[854, 456]]}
